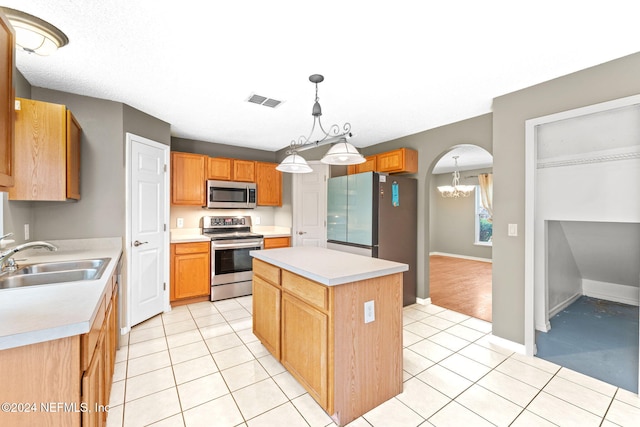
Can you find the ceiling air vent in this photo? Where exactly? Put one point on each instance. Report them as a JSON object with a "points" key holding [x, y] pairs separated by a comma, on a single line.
{"points": [[263, 100]]}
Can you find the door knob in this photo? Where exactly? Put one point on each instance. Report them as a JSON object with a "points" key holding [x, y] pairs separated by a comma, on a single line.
{"points": [[302, 232], [138, 243]]}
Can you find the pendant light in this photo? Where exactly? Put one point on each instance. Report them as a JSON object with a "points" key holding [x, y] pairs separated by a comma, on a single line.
{"points": [[342, 153]]}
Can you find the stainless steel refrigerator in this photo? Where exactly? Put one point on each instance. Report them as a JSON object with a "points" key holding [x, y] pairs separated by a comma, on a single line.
{"points": [[375, 214]]}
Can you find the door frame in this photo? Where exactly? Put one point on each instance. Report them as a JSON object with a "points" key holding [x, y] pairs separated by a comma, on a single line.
{"points": [[125, 302]]}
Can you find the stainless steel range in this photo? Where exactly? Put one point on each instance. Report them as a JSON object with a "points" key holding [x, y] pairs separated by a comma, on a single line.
{"points": [[231, 264]]}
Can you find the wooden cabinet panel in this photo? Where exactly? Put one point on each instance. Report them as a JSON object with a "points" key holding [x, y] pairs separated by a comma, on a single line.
{"points": [[219, 168], [368, 166], [304, 349], [277, 242], [73, 157], [190, 270], [7, 52], [93, 386], [188, 179], [243, 170], [47, 155], [266, 314], [269, 184], [305, 289], [91, 338], [266, 271], [400, 160]]}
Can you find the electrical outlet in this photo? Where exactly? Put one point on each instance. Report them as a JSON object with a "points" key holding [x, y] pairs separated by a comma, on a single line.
{"points": [[26, 232], [180, 222], [369, 312], [256, 220]]}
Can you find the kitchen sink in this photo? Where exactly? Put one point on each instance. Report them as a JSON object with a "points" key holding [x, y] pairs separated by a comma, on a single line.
{"points": [[54, 272]]}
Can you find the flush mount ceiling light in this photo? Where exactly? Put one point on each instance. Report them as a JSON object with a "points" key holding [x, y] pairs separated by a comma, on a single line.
{"points": [[456, 190], [342, 153], [34, 35]]}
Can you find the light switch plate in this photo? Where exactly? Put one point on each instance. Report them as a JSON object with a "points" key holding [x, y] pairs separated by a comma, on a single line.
{"points": [[180, 222], [513, 230], [26, 232]]}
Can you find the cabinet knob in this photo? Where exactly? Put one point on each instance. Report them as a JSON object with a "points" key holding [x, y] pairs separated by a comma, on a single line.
{"points": [[138, 243]]}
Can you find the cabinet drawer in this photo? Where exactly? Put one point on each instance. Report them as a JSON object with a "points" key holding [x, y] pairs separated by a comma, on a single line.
{"points": [[191, 248], [305, 289], [90, 339], [277, 242], [266, 271]]}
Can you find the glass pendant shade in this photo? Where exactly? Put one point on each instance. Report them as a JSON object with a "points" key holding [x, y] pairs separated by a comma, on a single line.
{"points": [[294, 163], [343, 153]]}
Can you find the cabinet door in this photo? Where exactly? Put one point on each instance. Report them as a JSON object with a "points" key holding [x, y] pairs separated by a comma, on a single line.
{"points": [[187, 179], [41, 152], [73, 157], [305, 346], [244, 170], [368, 166], [266, 315], [6, 103], [400, 160], [219, 168], [92, 388], [269, 184], [190, 270]]}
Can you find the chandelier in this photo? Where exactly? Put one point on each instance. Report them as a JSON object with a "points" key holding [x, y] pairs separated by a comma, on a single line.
{"points": [[33, 35], [455, 189], [342, 152]]}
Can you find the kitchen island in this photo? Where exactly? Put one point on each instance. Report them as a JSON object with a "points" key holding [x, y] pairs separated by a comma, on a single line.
{"points": [[334, 321]]}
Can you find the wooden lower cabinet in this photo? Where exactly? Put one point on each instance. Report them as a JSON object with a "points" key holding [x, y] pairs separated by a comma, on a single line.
{"points": [[190, 267], [305, 336], [318, 334], [277, 242], [66, 382]]}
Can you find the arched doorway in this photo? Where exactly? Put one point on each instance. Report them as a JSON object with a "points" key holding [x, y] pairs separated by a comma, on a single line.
{"points": [[460, 231]]}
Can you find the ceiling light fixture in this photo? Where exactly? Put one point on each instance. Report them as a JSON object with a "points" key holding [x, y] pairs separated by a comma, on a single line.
{"points": [[456, 190], [342, 153], [33, 35]]}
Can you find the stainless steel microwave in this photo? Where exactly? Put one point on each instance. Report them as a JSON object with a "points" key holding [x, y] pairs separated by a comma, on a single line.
{"points": [[231, 195]]}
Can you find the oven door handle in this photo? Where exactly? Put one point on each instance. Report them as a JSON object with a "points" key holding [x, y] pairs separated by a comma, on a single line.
{"points": [[254, 244]]}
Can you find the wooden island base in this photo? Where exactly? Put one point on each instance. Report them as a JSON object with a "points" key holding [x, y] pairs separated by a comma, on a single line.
{"points": [[319, 335]]}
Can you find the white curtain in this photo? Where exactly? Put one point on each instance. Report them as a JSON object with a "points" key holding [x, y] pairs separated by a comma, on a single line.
{"points": [[486, 192]]}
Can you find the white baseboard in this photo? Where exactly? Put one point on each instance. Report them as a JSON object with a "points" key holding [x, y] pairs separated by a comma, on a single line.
{"points": [[472, 258], [423, 301], [509, 345], [611, 292], [564, 304]]}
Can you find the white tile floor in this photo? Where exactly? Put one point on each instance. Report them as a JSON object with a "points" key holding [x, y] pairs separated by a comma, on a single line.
{"points": [[200, 365]]}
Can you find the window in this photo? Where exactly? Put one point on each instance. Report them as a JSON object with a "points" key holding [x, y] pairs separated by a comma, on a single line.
{"points": [[484, 227]]}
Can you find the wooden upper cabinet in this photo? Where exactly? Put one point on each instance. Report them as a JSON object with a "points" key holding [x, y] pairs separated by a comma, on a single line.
{"points": [[368, 166], [396, 161], [269, 184], [188, 179], [7, 51], [47, 152], [244, 170], [219, 168]]}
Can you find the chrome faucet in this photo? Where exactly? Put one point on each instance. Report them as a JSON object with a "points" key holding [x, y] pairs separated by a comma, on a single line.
{"points": [[7, 263]]}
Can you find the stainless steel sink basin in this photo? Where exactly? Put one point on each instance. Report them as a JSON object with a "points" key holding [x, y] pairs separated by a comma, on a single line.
{"points": [[54, 272]]}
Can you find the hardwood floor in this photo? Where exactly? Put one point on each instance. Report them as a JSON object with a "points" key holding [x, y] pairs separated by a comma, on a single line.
{"points": [[461, 285]]}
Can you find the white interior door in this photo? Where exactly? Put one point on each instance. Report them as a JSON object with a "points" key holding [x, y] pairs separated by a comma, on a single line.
{"points": [[310, 206], [147, 240]]}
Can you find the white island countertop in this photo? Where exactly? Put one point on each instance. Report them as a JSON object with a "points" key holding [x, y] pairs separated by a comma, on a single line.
{"points": [[34, 314], [328, 266]]}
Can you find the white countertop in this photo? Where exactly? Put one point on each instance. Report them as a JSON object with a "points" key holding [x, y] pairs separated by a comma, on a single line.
{"points": [[187, 235], [327, 266], [33, 314], [272, 231]]}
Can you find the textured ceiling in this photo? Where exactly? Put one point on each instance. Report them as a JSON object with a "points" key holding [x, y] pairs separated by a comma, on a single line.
{"points": [[391, 68]]}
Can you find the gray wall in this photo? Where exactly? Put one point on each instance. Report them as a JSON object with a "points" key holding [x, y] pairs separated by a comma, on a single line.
{"points": [[612, 80], [453, 222], [101, 210]]}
